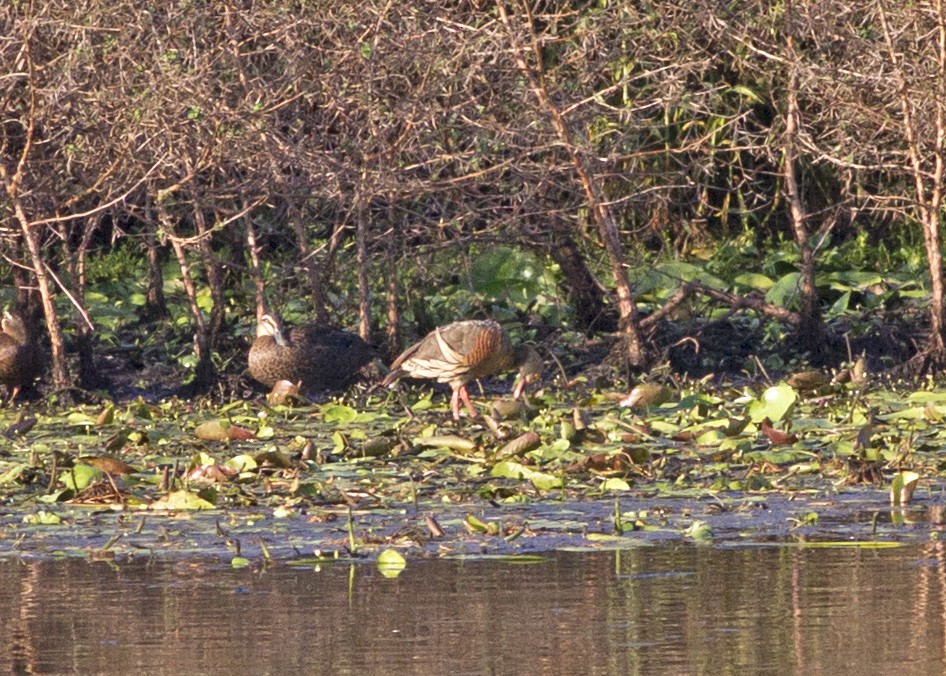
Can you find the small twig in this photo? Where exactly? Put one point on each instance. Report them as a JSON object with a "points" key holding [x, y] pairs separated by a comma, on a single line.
{"points": [[75, 303], [758, 362]]}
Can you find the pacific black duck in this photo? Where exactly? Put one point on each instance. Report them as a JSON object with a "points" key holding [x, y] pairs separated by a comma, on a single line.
{"points": [[319, 357], [20, 358]]}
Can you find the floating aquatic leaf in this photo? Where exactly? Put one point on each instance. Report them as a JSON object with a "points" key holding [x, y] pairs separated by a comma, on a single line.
{"points": [[80, 419], [243, 463], [711, 437], [615, 484], [474, 525], [12, 474], [42, 518], [519, 446], [775, 403], [515, 470], [699, 530], [79, 476], [451, 441], [646, 395], [391, 563], [237, 433], [182, 500], [341, 414], [222, 430]]}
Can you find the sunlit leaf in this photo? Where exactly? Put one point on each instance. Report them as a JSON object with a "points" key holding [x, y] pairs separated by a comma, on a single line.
{"points": [[391, 563], [12, 474], [775, 403], [743, 90], [182, 500], [339, 413], [699, 530], [241, 463], [785, 290], [515, 470], [42, 518], [615, 484], [754, 280], [902, 487], [79, 476]]}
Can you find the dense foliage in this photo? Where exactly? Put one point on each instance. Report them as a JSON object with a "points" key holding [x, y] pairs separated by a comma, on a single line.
{"points": [[541, 161]]}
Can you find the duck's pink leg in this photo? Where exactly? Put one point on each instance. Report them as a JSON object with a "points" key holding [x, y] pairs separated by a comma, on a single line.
{"points": [[455, 404], [466, 400]]}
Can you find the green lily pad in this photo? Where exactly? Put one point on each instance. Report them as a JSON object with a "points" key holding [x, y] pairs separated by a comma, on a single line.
{"points": [[776, 403], [182, 500], [391, 563]]}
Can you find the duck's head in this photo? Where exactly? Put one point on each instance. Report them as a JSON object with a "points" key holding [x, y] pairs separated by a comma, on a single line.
{"points": [[268, 326], [530, 368]]}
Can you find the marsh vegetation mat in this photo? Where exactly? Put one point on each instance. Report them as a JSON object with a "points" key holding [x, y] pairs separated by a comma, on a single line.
{"points": [[350, 478]]}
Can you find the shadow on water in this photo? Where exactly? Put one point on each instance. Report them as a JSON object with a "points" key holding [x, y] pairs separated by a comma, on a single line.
{"points": [[670, 608]]}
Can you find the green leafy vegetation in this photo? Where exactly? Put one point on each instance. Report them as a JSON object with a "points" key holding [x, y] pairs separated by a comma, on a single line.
{"points": [[713, 239], [360, 462]]}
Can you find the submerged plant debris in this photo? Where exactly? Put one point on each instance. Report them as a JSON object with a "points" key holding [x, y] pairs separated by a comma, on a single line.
{"points": [[350, 477]]}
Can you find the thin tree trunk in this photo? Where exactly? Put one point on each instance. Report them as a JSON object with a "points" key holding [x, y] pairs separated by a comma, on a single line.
{"points": [[155, 306], [90, 377], [603, 218], [204, 370], [364, 290], [810, 329], [214, 274], [310, 265], [256, 271], [928, 192], [11, 183], [62, 379], [392, 329], [584, 293]]}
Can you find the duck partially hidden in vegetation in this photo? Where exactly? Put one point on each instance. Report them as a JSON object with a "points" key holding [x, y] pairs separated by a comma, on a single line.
{"points": [[319, 357], [20, 358], [464, 351]]}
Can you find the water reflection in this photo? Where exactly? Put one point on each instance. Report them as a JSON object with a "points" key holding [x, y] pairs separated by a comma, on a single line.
{"points": [[674, 608]]}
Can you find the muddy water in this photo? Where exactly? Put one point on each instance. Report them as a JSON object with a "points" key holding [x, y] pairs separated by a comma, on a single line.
{"points": [[671, 608]]}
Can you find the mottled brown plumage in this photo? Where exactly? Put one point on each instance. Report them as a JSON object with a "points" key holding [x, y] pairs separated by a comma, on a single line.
{"points": [[20, 358], [321, 358], [464, 351]]}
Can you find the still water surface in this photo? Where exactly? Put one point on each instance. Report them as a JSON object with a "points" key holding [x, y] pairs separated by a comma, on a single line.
{"points": [[673, 608]]}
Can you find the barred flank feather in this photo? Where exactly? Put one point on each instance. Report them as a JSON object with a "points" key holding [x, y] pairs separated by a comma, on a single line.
{"points": [[460, 352]]}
